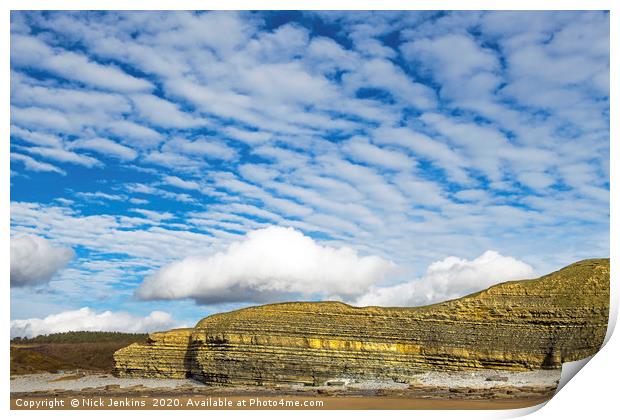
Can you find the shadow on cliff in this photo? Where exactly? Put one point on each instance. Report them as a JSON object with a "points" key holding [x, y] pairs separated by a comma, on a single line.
{"points": [[189, 361]]}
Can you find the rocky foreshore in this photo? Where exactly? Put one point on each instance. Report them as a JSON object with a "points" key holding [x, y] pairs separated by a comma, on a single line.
{"points": [[480, 384]]}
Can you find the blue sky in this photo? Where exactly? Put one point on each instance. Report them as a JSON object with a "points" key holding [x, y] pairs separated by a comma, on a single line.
{"points": [[168, 165]]}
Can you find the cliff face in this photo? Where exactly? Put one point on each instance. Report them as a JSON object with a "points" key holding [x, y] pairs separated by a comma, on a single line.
{"points": [[516, 325], [163, 356]]}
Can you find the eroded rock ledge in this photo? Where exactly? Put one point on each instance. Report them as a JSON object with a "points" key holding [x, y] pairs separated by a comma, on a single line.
{"points": [[519, 325], [165, 355]]}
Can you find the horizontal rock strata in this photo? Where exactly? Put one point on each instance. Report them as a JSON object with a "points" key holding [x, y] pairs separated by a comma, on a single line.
{"points": [[518, 325], [164, 355]]}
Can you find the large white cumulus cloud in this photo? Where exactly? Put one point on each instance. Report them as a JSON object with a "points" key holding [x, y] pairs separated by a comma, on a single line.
{"points": [[448, 279], [268, 264], [34, 260], [86, 319]]}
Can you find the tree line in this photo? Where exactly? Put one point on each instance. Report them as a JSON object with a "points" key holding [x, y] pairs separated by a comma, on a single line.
{"points": [[81, 337]]}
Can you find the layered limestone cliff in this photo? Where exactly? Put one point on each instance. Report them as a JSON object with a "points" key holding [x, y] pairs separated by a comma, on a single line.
{"points": [[164, 355], [518, 325]]}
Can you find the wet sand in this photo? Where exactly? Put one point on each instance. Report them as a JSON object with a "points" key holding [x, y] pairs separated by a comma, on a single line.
{"points": [[278, 403]]}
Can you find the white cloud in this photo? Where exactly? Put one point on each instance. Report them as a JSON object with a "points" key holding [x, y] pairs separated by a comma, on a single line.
{"points": [[249, 137], [421, 192], [35, 137], [30, 51], [209, 148], [174, 161], [457, 62], [175, 181], [384, 75], [33, 91], [86, 319], [100, 195], [268, 264], [34, 165], [105, 147], [33, 116], [257, 173], [425, 147], [536, 180], [64, 201], [443, 49], [140, 201], [163, 113], [61, 155], [107, 233], [362, 151], [148, 189], [153, 215], [448, 279], [35, 260], [135, 134]]}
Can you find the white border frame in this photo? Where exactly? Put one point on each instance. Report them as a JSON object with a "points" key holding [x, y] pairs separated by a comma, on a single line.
{"points": [[592, 394]]}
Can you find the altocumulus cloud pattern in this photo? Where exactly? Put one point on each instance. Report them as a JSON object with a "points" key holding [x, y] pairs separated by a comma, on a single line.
{"points": [[186, 163]]}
